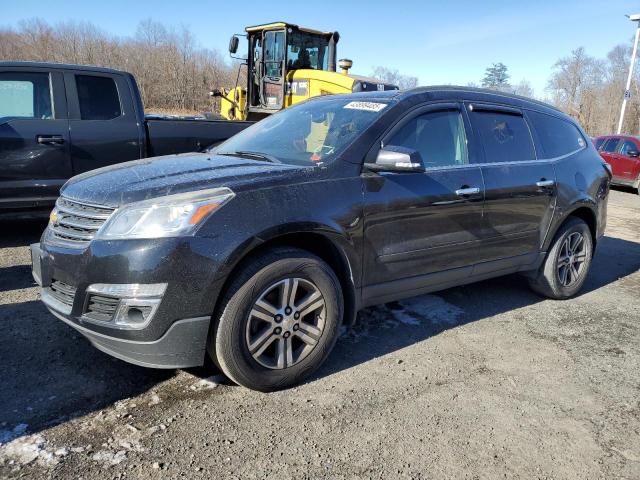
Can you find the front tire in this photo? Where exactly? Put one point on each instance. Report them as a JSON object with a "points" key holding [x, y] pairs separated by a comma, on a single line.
{"points": [[279, 320], [565, 268]]}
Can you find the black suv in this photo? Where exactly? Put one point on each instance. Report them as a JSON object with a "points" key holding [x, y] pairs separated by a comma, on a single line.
{"points": [[255, 252]]}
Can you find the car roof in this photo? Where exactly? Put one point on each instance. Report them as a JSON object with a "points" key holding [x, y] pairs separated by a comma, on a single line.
{"points": [[470, 94], [62, 66]]}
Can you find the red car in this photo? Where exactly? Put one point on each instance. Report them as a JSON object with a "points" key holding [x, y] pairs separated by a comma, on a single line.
{"points": [[622, 152]]}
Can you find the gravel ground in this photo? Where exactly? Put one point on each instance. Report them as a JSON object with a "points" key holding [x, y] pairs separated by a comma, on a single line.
{"points": [[482, 381]]}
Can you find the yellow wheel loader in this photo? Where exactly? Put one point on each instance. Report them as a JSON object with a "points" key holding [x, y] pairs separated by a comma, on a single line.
{"points": [[287, 64]]}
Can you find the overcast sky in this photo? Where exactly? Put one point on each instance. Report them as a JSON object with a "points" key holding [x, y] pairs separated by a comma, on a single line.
{"points": [[447, 42]]}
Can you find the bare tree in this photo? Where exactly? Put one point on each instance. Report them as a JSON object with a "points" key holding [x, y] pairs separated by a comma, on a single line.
{"points": [[394, 77], [173, 71]]}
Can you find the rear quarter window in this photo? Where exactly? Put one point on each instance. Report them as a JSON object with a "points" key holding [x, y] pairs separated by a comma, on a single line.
{"points": [[557, 137]]}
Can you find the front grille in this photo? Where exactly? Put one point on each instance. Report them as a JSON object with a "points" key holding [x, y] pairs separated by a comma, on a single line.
{"points": [[63, 292], [77, 223], [101, 308]]}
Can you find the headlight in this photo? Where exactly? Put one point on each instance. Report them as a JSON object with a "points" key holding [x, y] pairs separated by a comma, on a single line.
{"points": [[169, 216]]}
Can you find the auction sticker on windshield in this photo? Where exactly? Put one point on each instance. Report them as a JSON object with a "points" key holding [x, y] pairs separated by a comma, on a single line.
{"points": [[368, 106]]}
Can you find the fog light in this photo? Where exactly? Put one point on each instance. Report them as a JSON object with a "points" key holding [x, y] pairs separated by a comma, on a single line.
{"points": [[135, 312], [126, 306]]}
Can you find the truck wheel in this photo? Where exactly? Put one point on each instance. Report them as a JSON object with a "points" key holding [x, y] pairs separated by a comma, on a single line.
{"points": [[565, 268], [279, 320]]}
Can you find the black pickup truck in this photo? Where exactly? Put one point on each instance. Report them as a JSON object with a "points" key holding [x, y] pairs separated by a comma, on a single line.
{"points": [[57, 121]]}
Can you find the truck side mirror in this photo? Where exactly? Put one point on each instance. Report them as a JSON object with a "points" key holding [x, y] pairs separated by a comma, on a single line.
{"points": [[397, 159], [233, 44], [633, 153]]}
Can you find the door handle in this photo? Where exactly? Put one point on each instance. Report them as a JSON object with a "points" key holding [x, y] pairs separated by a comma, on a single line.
{"points": [[49, 139], [463, 192], [545, 183]]}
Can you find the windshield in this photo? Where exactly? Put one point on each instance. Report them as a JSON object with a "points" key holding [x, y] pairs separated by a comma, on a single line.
{"points": [[310, 133]]}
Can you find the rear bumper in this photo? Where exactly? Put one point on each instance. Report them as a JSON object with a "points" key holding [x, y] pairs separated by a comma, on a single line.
{"points": [[182, 346]]}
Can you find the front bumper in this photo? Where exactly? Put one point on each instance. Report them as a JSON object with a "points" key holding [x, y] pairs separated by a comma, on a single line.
{"points": [[182, 346], [175, 337]]}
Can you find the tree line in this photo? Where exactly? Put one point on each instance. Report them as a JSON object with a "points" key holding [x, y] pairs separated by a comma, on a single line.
{"points": [[175, 73], [172, 70], [587, 88]]}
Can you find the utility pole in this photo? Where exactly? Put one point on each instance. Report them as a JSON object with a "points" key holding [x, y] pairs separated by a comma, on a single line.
{"points": [[627, 91]]}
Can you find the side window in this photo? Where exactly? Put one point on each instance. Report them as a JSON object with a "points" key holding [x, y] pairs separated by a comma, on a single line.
{"points": [[628, 146], [504, 136], [557, 136], [98, 98], [438, 136], [25, 95], [610, 146], [598, 142]]}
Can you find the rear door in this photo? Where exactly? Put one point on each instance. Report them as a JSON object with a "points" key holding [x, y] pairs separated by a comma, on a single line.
{"points": [[520, 189], [627, 161], [418, 224], [608, 151], [34, 137], [102, 120]]}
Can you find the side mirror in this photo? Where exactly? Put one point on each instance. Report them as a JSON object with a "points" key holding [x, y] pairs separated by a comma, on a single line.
{"points": [[233, 44], [633, 153], [397, 159]]}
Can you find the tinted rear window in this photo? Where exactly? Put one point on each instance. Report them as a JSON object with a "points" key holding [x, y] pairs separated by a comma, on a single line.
{"points": [[557, 136], [610, 145], [505, 137], [98, 97]]}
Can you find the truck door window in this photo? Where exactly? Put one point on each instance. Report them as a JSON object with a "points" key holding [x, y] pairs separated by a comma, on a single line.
{"points": [[25, 95], [98, 98], [274, 53]]}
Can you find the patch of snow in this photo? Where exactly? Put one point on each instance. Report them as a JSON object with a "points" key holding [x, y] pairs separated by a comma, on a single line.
{"points": [[27, 449], [110, 458], [208, 383], [423, 310]]}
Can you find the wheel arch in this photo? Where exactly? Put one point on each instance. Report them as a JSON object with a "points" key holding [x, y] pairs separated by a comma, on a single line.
{"points": [[582, 211], [330, 246]]}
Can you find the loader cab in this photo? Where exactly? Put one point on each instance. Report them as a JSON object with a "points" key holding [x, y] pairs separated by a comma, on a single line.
{"points": [[276, 50]]}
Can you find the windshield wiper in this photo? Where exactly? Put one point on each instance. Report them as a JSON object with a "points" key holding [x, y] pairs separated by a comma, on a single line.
{"points": [[253, 155]]}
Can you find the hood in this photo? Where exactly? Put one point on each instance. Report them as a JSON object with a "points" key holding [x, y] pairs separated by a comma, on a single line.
{"points": [[155, 177]]}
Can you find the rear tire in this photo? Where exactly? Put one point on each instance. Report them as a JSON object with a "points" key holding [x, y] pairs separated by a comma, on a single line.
{"points": [[278, 321], [565, 268]]}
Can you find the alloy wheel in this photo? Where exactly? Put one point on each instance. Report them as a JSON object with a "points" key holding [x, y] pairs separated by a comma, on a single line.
{"points": [[285, 323], [571, 260]]}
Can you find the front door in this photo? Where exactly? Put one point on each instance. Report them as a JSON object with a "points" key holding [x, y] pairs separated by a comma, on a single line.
{"points": [[422, 228], [34, 138]]}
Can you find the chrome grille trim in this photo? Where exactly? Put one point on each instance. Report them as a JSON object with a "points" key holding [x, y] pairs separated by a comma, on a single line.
{"points": [[101, 308], [77, 223], [62, 292]]}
